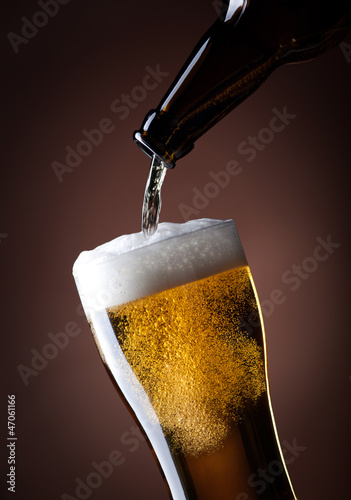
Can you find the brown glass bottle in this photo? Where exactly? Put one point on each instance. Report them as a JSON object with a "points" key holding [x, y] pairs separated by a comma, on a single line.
{"points": [[241, 49]]}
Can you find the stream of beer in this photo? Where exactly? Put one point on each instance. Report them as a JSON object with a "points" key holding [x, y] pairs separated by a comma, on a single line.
{"points": [[152, 197]]}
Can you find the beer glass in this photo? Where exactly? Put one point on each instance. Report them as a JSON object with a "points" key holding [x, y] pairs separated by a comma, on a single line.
{"points": [[178, 325]]}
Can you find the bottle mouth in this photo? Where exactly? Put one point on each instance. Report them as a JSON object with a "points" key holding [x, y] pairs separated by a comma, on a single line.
{"points": [[162, 136], [141, 142]]}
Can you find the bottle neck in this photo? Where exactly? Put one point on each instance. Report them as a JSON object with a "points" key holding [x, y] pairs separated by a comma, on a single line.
{"points": [[232, 60]]}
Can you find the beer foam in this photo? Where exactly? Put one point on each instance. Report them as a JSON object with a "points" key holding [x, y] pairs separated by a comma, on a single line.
{"points": [[134, 266]]}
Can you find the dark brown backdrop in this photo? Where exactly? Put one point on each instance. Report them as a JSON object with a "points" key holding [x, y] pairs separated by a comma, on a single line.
{"points": [[292, 195]]}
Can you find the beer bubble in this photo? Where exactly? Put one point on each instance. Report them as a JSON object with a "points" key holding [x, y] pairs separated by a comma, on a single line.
{"points": [[197, 367], [132, 266]]}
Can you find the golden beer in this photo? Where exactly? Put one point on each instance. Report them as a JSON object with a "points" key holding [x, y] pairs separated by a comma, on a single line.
{"points": [[189, 367]]}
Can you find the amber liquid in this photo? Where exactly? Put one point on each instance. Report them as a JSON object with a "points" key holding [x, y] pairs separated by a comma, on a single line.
{"points": [[195, 378]]}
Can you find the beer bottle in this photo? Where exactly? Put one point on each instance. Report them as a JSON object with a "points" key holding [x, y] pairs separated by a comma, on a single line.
{"points": [[241, 49]]}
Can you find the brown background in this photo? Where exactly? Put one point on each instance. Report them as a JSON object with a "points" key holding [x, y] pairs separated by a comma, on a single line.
{"points": [[296, 190]]}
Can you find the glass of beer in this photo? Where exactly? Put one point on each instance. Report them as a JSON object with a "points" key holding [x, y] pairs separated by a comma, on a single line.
{"points": [[178, 325]]}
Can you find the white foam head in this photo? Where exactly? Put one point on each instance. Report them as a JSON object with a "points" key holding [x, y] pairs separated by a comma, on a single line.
{"points": [[134, 266]]}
